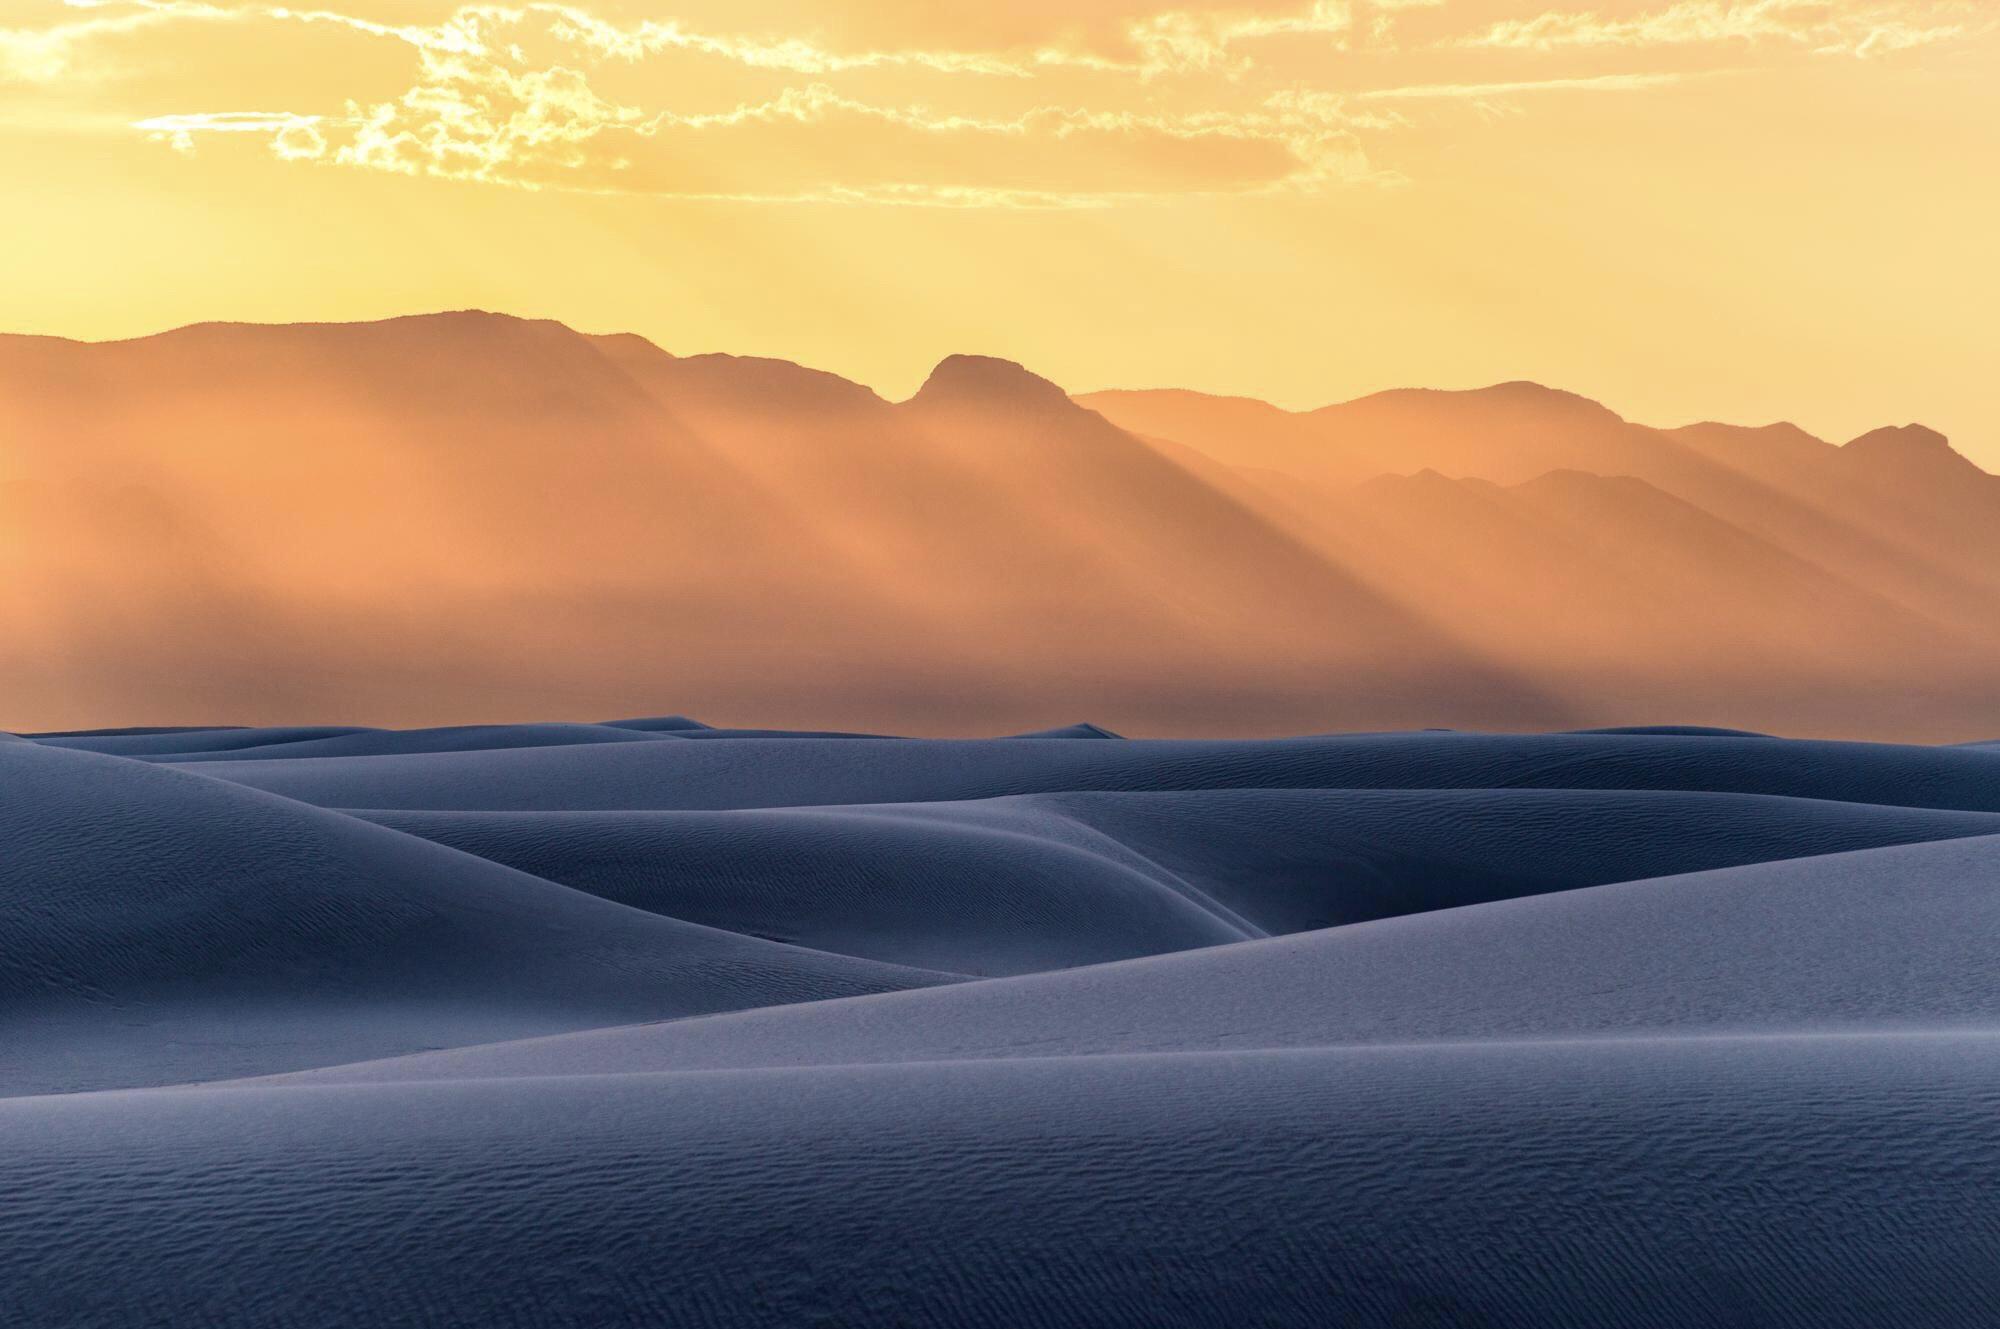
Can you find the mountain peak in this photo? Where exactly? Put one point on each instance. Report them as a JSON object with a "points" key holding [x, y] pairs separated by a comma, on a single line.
{"points": [[1526, 392], [1518, 399], [984, 380], [1912, 436], [1905, 443]]}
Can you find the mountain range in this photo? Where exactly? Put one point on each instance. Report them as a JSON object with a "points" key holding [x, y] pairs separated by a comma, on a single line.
{"points": [[448, 518]]}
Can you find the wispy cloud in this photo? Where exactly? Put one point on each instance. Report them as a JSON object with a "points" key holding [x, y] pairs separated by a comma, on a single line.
{"points": [[59, 51], [536, 129], [1483, 91], [294, 137], [1869, 27], [1186, 40], [481, 109], [1176, 101], [791, 55]]}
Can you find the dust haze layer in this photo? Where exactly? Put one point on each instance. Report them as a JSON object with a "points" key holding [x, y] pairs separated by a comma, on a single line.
{"points": [[645, 1021], [447, 519]]}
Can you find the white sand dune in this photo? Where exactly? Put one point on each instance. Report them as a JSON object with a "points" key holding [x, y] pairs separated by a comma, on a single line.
{"points": [[651, 1023], [1881, 939], [1690, 1181], [813, 771], [160, 925]]}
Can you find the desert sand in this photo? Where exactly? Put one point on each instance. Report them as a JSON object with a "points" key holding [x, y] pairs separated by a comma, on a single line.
{"points": [[647, 1022]]}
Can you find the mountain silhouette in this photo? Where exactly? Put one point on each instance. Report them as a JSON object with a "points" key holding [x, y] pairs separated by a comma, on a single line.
{"points": [[447, 518]]}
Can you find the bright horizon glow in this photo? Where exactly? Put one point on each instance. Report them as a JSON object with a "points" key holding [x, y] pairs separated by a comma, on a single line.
{"points": [[1748, 210]]}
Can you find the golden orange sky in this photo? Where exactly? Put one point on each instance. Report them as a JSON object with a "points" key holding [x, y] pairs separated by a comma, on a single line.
{"points": [[1688, 208]]}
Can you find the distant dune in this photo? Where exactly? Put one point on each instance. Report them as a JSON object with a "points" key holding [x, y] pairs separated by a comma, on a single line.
{"points": [[647, 1022], [449, 518]]}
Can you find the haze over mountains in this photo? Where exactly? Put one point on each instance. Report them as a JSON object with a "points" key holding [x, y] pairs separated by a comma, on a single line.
{"points": [[455, 517]]}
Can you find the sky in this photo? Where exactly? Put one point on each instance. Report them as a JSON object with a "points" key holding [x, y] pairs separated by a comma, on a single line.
{"points": [[1748, 210]]}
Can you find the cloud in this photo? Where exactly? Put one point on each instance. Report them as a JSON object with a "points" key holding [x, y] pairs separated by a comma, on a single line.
{"points": [[470, 118], [55, 53], [539, 129], [1825, 26], [1482, 91], [1150, 103], [292, 137], [482, 109], [791, 55], [1188, 41]]}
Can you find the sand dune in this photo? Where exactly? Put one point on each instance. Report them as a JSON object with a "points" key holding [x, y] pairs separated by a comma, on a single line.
{"points": [[150, 910], [1673, 1026], [1209, 865], [1806, 1181], [812, 770], [435, 520]]}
